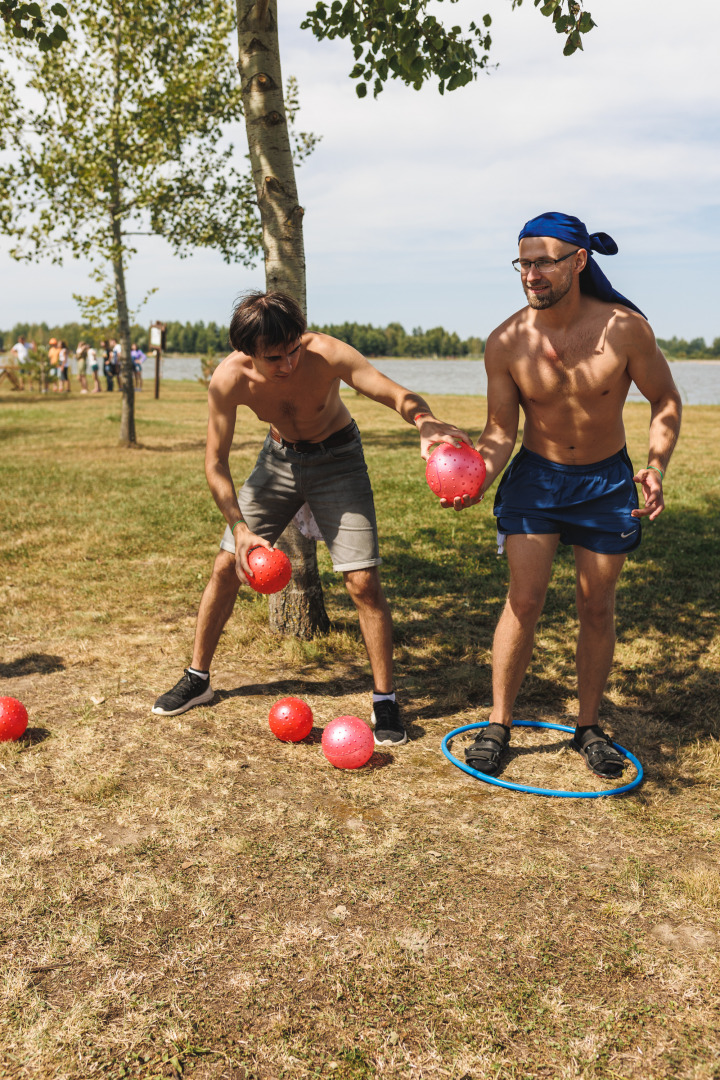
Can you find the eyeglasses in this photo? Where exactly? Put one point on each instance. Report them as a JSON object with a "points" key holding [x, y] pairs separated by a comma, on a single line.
{"points": [[543, 266]]}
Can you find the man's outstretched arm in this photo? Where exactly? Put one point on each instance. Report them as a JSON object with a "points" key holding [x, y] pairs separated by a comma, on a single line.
{"points": [[357, 372], [650, 372]]}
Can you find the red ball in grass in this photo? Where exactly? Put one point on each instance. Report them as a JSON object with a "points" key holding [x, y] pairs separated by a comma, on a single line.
{"points": [[13, 719], [348, 742], [271, 569], [291, 719], [452, 471]]}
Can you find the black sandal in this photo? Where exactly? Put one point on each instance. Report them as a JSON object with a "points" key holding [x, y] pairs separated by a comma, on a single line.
{"points": [[598, 751], [485, 753]]}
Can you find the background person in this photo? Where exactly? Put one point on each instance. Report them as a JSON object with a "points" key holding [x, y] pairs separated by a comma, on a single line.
{"points": [[81, 360], [63, 368], [108, 366], [93, 367], [138, 359], [568, 360]]}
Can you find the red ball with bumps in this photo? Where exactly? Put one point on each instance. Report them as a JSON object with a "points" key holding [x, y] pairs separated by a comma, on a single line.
{"points": [[291, 719], [271, 569], [13, 719], [348, 742], [452, 471]]}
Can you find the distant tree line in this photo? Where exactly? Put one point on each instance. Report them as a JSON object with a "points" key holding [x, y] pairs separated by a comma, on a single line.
{"points": [[394, 340], [697, 349], [186, 338], [200, 339]]}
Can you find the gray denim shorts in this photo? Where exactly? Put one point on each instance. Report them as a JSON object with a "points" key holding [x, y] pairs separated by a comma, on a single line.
{"points": [[336, 486]]}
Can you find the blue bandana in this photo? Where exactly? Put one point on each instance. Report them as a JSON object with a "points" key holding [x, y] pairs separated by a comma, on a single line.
{"points": [[572, 231]]}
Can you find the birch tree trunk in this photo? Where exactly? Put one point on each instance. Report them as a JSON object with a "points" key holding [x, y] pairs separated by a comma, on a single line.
{"points": [[127, 416], [299, 610]]}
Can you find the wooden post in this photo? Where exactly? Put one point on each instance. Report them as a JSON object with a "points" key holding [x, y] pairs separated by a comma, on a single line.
{"points": [[157, 343]]}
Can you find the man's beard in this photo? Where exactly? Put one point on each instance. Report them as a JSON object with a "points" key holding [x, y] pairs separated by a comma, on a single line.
{"points": [[549, 298]]}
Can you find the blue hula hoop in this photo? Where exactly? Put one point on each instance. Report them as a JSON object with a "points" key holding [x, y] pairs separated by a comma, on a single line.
{"points": [[536, 790]]}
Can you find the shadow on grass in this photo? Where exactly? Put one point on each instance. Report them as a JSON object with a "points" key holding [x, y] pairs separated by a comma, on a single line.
{"points": [[33, 736], [445, 612], [331, 688], [175, 448], [33, 663]]}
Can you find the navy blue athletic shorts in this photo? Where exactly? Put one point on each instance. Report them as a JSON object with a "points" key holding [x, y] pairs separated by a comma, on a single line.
{"points": [[588, 505]]}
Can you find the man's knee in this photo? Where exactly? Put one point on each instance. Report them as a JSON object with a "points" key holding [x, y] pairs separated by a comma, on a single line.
{"points": [[526, 604], [596, 610], [224, 574], [364, 587]]}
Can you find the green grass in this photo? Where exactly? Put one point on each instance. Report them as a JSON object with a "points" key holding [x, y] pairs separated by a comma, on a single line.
{"points": [[191, 897]]}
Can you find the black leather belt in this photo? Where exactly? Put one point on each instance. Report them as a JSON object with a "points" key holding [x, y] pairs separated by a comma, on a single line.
{"points": [[338, 438]]}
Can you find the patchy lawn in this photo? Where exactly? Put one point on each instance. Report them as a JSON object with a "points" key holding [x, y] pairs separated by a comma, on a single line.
{"points": [[189, 896]]}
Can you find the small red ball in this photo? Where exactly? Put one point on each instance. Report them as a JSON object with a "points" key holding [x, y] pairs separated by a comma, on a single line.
{"points": [[271, 569], [348, 742], [452, 471], [291, 719], [13, 719]]}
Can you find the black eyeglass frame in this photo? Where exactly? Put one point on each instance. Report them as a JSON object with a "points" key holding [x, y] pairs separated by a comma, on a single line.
{"points": [[534, 262]]}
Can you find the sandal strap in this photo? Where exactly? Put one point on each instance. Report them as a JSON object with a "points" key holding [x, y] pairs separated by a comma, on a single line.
{"points": [[487, 747], [602, 752]]}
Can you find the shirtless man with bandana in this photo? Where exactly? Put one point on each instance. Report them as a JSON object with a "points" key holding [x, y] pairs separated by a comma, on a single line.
{"points": [[568, 360]]}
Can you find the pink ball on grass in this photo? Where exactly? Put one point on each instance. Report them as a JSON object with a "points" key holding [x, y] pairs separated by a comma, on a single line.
{"points": [[348, 743]]}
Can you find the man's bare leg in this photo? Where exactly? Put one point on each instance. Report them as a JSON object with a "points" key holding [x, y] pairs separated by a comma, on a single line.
{"points": [[375, 623], [597, 577], [216, 606], [530, 560]]}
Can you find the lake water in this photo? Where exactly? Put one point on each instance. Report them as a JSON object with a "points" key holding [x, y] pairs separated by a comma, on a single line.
{"points": [[698, 381]]}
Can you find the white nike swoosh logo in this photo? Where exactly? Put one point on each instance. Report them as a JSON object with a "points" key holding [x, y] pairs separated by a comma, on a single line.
{"points": [[625, 535]]}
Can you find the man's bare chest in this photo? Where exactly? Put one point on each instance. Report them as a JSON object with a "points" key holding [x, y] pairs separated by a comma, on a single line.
{"points": [[296, 408], [578, 369]]}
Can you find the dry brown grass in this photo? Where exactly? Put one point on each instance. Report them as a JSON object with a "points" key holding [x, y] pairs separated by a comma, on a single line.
{"points": [[190, 896]]}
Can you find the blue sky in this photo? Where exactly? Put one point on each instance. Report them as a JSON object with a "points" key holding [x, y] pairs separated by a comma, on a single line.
{"points": [[414, 201]]}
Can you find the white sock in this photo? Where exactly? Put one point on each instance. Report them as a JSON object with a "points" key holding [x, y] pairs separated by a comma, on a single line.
{"points": [[383, 697], [200, 674]]}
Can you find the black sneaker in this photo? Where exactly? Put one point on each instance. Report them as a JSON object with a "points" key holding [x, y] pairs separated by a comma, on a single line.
{"points": [[389, 730], [190, 691]]}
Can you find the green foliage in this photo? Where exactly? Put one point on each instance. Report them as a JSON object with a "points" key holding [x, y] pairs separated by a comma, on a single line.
{"points": [[569, 19], [39, 334], [210, 340], [100, 312], [394, 341], [124, 137], [302, 142], [403, 39], [697, 349], [208, 363], [29, 22]]}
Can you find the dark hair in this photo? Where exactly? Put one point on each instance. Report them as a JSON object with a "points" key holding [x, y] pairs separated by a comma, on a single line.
{"points": [[270, 319]]}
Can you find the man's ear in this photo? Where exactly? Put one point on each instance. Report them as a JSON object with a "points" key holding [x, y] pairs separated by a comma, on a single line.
{"points": [[581, 260]]}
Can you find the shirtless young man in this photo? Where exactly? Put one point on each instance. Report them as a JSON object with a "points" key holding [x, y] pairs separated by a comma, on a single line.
{"points": [[568, 359], [312, 454]]}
